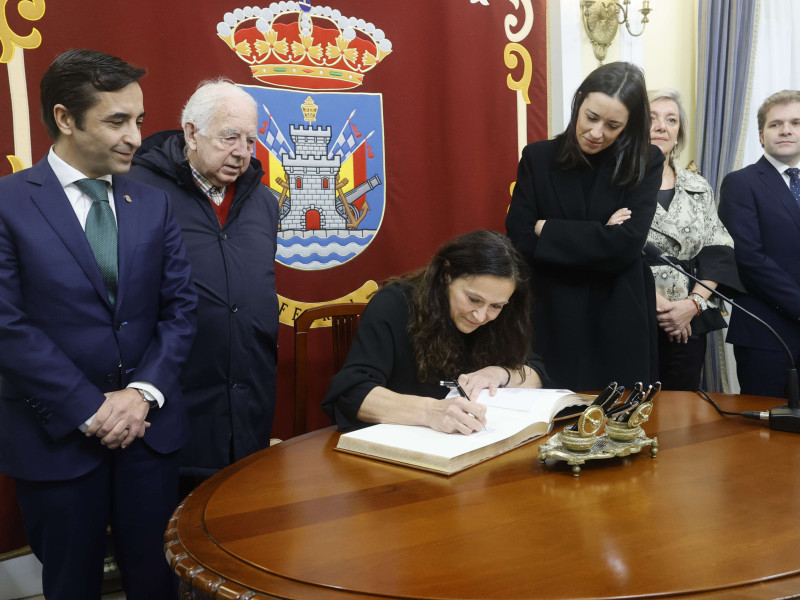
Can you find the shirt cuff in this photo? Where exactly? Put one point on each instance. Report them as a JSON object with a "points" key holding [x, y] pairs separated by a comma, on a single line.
{"points": [[85, 425], [149, 388]]}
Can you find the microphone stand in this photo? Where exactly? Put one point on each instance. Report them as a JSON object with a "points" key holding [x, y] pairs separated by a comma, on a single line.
{"points": [[781, 418]]}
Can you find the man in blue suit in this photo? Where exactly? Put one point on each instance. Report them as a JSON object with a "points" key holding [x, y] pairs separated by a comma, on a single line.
{"points": [[96, 319], [760, 206]]}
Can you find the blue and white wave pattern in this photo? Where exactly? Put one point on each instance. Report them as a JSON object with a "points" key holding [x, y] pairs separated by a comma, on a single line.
{"points": [[314, 253]]}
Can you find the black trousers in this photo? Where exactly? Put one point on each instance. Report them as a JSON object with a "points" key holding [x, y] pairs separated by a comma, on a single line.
{"points": [[680, 365]]}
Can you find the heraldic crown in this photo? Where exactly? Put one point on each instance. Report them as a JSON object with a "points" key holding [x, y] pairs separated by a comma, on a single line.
{"points": [[297, 45]]}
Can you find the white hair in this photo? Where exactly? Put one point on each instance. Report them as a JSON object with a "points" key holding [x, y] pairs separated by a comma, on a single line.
{"points": [[210, 94]]}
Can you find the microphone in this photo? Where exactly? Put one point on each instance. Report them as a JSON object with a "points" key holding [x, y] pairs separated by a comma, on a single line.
{"points": [[781, 418]]}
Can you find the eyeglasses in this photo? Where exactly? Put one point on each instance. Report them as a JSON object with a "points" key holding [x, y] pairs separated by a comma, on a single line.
{"points": [[231, 140]]}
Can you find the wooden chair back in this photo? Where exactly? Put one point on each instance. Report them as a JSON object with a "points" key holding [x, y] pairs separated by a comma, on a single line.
{"points": [[344, 324]]}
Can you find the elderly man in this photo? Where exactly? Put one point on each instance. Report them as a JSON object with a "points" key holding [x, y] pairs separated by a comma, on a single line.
{"points": [[96, 320], [229, 222], [760, 206]]}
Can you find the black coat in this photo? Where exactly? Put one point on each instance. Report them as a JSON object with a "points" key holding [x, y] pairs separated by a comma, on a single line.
{"points": [[229, 381], [381, 355], [594, 297]]}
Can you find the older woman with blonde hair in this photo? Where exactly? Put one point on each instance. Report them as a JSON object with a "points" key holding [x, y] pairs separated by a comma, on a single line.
{"points": [[687, 229]]}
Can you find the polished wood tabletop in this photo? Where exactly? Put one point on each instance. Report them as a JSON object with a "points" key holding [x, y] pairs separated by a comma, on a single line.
{"points": [[715, 515]]}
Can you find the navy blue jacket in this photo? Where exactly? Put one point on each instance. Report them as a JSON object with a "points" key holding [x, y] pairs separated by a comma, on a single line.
{"points": [[763, 218], [229, 380], [63, 345]]}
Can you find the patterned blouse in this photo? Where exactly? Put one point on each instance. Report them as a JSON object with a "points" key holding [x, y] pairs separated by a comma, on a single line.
{"points": [[691, 232]]}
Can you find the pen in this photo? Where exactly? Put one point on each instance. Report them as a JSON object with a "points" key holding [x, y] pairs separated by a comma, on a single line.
{"points": [[603, 396], [600, 401], [648, 397], [652, 392], [461, 392], [621, 412], [456, 385], [638, 401], [612, 399]]}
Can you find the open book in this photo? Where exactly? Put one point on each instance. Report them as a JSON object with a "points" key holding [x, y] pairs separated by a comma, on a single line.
{"points": [[514, 417]]}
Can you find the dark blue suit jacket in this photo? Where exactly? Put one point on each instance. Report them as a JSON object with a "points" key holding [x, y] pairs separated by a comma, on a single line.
{"points": [[763, 218], [62, 345]]}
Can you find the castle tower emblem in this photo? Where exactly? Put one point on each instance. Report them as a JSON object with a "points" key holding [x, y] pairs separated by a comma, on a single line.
{"points": [[327, 184], [327, 174], [312, 177], [318, 203]]}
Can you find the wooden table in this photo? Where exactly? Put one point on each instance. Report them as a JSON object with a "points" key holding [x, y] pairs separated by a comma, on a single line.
{"points": [[716, 515]]}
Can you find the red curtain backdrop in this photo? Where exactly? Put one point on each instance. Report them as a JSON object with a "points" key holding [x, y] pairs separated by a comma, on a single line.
{"points": [[12, 535], [450, 117]]}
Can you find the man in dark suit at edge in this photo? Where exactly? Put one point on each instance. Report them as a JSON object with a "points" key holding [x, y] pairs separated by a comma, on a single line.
{"points": [[96, 320], [760, 206]]}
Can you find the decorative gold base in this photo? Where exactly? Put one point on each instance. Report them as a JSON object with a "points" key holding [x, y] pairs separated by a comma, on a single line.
{"points": [[603, 447]]}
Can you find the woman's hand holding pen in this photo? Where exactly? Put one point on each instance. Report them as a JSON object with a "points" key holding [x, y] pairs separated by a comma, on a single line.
{"points": [[456, 415]]}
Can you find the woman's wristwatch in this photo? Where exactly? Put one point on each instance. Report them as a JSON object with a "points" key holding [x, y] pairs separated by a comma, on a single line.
{"points": [[699, 302]]}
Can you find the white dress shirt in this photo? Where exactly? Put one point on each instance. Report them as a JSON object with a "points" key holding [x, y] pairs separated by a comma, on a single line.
{"points": [[781, 166]]}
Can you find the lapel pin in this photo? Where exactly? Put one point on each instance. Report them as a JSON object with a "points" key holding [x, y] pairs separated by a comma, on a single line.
{"points": [[127, 198]]}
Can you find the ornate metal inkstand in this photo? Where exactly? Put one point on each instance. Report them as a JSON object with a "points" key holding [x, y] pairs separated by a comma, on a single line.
{"points": [[578, 443]]}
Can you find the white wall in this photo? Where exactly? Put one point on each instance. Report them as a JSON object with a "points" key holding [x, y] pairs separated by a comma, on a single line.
{"points": [[776, 67], [667, 51]]}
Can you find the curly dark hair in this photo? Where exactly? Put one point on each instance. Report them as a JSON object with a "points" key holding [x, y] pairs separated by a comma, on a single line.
{"points": [[440, 349], [625, 82]]}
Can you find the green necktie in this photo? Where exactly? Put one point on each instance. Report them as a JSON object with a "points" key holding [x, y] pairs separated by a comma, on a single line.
{"points": [[101, 231]]}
